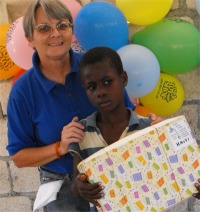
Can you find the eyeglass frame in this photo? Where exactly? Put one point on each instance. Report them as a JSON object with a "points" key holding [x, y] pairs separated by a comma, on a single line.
{"points": [[70, 26]]}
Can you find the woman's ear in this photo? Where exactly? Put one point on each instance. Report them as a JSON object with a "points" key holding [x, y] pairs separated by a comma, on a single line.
{"points": [[30, 42], [124, 78]]}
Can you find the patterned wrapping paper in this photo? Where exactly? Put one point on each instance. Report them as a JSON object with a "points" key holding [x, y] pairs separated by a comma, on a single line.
{"points": [[150, 170]]}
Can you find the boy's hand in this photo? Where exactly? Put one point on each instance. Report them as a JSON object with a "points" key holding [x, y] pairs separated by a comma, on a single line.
{"points": [[197, 185], [155, 119], [90, 192]]}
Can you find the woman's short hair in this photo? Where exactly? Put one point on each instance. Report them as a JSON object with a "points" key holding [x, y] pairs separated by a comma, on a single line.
{"points": [[52, 8]]}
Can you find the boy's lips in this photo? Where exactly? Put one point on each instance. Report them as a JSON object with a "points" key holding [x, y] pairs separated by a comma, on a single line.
{"points": [[104, 103]]}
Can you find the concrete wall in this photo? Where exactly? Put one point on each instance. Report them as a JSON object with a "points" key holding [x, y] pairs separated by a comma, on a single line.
{"points": [[18, 186]]}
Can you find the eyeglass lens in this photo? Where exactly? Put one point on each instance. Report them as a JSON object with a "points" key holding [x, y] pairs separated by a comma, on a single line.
{"points": [[47, 28]]}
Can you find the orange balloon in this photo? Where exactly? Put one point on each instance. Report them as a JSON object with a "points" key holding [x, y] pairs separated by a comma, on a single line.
{"points": [[142, 111], [17, 75], [7, 67]]}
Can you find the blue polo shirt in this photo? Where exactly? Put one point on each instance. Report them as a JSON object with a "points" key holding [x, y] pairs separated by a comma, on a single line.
{"points": [[38, 109]]}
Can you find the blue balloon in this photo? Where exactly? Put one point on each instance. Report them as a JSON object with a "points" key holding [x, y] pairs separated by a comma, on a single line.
{"points": [[101, 24], [142, 68]]}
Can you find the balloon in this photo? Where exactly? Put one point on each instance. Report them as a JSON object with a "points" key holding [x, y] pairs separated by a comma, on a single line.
{"points": [[101, 24], [142, 111], [144, 12], [175, 43], [142, 68], [7, 67], [74, 8], [166, 98], [17, 45], [17, 75], [77, 47], [198, 6]]}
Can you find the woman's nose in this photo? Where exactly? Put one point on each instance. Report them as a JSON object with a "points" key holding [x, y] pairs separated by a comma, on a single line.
{"points": [[54, 31]]}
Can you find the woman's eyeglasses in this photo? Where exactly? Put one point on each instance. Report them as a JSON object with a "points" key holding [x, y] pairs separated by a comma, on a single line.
{"points": [[48, 28]]}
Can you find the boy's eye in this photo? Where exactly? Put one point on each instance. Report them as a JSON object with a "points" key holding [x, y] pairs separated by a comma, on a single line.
{"points": [[91, 87], [107, 82]]}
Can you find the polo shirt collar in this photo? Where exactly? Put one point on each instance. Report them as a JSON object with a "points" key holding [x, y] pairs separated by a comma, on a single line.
{"points": [[48, 85], [133, 121]]}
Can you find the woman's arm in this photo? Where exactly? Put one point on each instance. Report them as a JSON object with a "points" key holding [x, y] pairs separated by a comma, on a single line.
{"points": [[34, 156], [38, 156]]}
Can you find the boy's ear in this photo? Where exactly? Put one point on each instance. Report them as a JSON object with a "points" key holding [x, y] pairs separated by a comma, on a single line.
{"points": [[124, 78]]}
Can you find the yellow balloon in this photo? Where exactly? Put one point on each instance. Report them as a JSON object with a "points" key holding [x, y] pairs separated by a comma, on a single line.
{"points": [[144, 12], [166, 98], [7, 67]]}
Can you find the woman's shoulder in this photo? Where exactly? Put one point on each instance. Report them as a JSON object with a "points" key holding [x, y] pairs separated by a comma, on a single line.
{"points": [[22, 83], [25, 77]]}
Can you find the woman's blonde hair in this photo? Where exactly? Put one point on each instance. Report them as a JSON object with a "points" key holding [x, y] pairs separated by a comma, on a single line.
{"points": [[52, 8]]}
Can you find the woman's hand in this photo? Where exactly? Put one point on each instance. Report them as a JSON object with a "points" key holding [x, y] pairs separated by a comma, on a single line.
{"points": [[73, 132]]}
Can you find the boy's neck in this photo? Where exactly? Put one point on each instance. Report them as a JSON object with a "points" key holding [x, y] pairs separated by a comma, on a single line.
{"points": [[112, 125], [114, 117]]}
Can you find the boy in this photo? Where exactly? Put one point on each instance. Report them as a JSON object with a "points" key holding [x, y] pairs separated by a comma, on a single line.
{"points": [[102, 75]]}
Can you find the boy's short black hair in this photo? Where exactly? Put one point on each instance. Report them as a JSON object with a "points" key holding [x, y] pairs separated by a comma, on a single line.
{"points": [[101, 55]]}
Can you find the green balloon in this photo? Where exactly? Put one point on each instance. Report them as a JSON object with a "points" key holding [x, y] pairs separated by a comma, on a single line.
{"points": [[175, 42]]}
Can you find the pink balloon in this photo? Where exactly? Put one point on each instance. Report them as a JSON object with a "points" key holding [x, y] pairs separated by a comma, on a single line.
{"points": [[17, 45], [74, 8]]}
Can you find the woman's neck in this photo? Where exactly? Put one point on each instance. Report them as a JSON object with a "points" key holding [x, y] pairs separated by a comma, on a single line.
{"points": [[56, 70]]}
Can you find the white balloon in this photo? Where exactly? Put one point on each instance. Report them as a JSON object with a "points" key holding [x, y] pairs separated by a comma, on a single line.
{"points": [[142, 67]]}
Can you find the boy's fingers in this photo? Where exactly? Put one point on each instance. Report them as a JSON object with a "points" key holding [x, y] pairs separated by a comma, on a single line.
{"points": [[152, 116], [82, 178], [94, 202], [196, 195], [197, 185]]}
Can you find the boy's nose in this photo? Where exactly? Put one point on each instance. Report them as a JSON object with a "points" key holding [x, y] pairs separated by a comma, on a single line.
{"points": [[101, 91]]}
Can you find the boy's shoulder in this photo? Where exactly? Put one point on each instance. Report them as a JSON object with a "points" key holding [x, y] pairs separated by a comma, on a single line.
{"points": [[135, 121], [138, 122], [89, 122]]}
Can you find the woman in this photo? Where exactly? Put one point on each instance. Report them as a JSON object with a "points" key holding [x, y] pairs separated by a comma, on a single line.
{"points": [[44, 100]]}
